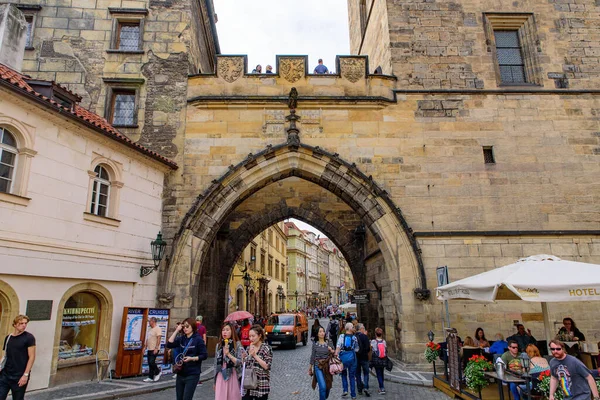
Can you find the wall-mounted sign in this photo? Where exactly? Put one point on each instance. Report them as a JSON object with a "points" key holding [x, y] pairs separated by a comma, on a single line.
{"points": [[39, 310]]}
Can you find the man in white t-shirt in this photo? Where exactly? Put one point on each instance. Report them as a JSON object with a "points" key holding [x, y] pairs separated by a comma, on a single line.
{"points": [[153, 347]]}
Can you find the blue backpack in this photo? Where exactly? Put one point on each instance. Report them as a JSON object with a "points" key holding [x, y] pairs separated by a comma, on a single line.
{"points": [[347, 355]]}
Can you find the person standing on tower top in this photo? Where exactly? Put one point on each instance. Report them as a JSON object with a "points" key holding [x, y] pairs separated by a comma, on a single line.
{"points": [[321, 69]]}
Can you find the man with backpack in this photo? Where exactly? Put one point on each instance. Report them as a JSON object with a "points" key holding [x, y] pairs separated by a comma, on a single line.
{"points": [[362, 360], [346, 348], [332, 329]]}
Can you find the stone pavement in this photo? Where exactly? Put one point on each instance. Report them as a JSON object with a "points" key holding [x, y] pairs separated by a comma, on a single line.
{"points": [[289, 380]]}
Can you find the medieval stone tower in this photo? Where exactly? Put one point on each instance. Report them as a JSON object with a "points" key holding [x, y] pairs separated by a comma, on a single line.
{"points": [[459, 133]]}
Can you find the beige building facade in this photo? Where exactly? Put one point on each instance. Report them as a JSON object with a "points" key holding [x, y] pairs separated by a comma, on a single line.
{"points": [[265, 262], [80, 205], [460, 134]]}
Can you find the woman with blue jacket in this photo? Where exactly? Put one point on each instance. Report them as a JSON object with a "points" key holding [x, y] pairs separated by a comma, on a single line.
{"points": [[192, 351]]}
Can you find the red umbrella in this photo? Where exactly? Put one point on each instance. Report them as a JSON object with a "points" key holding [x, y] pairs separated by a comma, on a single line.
{"points": [[238, 315]]}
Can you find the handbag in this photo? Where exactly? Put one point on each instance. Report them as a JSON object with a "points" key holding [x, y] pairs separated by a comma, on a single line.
{"points": [[178, 365], [389, 365], [335, 365], [3, 361], [249, 378]]}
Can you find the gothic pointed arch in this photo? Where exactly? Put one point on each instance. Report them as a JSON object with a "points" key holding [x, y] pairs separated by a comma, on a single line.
{"points": [[194, 240]]}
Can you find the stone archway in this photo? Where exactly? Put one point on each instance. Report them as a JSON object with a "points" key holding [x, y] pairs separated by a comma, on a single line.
{"points": [[197, 239], [9, 308]]}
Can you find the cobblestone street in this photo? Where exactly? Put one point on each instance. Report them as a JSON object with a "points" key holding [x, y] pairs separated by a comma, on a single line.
{"points": [[290, 380]]}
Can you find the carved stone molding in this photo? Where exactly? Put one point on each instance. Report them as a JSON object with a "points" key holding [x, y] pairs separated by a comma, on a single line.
{"points": [[352, 69], [230, 68], [291, 69]]}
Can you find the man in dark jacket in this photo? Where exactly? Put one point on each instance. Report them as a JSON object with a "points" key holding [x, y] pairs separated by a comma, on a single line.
{"points": [[362, 358]]}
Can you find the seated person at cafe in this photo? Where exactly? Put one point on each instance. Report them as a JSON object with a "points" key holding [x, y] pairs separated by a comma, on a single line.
{"points": [[537, 364], [522, 337], [513, 364], [480, 340], [570, 331], [468, 344], [499, 346]]}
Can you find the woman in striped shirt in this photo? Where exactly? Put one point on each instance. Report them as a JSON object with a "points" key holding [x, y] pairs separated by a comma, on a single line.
{"points": [[260, 357], [319, 363]]}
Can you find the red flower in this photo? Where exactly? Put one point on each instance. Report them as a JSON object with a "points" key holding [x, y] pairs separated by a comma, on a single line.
{"points": [[544, 374]]}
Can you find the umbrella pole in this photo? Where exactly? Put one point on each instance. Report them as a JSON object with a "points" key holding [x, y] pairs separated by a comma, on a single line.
{"points": [[547, 330]]}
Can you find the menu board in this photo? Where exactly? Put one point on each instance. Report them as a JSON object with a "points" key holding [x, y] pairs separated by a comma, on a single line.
{"points": [[162, 320], [453, 360], [133, 329]]}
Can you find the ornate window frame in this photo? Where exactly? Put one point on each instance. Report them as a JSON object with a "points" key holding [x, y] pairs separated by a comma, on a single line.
{"points": [[524, 24], [115, 172], [24, 135]]}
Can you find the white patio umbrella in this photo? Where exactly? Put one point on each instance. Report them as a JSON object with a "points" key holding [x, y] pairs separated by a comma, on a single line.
{"points": [[541, 278]]}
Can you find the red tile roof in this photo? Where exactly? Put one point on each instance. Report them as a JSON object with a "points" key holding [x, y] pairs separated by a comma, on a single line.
{"points": [[18, 82]]}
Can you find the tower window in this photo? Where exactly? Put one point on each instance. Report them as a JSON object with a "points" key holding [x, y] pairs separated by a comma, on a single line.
{"points": [[510, 57], [488, 155]]}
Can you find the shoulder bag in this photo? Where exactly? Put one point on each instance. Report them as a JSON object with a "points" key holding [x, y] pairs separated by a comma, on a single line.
{"points": [[3, 361], [249, 378], [335, 365], [178, 366]]}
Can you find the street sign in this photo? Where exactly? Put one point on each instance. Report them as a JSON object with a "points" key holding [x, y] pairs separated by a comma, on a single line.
{"points": [[442, 275], [360, 298]]}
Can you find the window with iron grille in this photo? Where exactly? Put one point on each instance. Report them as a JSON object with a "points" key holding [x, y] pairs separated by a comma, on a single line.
{"points": [[488, 155], [100, 192], [510, 57], [8, 160], [29, 33], [123, 108], [128, 36]]}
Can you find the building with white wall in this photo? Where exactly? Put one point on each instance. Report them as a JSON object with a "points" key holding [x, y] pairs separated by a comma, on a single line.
{"points": [[79, 206]]}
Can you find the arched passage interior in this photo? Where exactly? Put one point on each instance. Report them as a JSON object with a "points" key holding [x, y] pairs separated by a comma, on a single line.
{"points": [[363, 222]]}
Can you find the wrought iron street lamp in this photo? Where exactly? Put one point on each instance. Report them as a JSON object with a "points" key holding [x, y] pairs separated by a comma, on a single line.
{"points": [[296, 296], [158, 247], [430, 335], [247, 279], [280, 295]]}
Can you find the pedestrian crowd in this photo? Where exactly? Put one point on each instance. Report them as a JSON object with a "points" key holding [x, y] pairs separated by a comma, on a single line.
{"points": [[243, 358]]}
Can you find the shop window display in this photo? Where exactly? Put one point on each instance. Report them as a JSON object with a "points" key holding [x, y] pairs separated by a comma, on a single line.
{"points": [[80, 324]]}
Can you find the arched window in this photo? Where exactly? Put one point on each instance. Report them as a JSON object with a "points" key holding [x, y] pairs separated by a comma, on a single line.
{"points": [[80, 325], [8, 160], [100, 192]]}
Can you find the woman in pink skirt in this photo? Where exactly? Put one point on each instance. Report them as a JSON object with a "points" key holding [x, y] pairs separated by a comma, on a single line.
{"points": [[228, 358]]}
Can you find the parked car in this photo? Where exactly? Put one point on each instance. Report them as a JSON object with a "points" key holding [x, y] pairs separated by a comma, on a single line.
{"points": [[287, 329]]}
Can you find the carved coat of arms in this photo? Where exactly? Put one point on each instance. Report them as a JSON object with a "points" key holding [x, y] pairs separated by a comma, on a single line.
{"points": [[230, 68], [291, 69], [352, 69]]}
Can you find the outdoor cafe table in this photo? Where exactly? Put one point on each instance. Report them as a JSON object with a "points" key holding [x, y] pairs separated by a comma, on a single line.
{"points": [[508, 378]]}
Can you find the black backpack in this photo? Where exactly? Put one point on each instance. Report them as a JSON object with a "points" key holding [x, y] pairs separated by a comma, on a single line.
{"points": [[333, 331]]}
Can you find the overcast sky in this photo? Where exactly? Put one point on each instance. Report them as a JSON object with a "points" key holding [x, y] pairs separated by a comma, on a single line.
{"points": [[263, 29]]}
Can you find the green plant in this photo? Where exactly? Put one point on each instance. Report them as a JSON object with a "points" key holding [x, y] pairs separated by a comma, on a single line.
{"points": [[475, 373], [544, 386], [432, 351]]}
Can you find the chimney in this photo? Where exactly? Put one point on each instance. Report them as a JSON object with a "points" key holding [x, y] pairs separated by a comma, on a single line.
{"points": [[13, 34]]}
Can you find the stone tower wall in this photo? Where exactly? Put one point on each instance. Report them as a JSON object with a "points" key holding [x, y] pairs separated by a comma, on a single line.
{"points": [[72, 45], [447, 44]]}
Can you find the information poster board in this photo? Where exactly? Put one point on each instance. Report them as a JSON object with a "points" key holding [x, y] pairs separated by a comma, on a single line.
{"points": [[131, 341], [162, 320]]}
